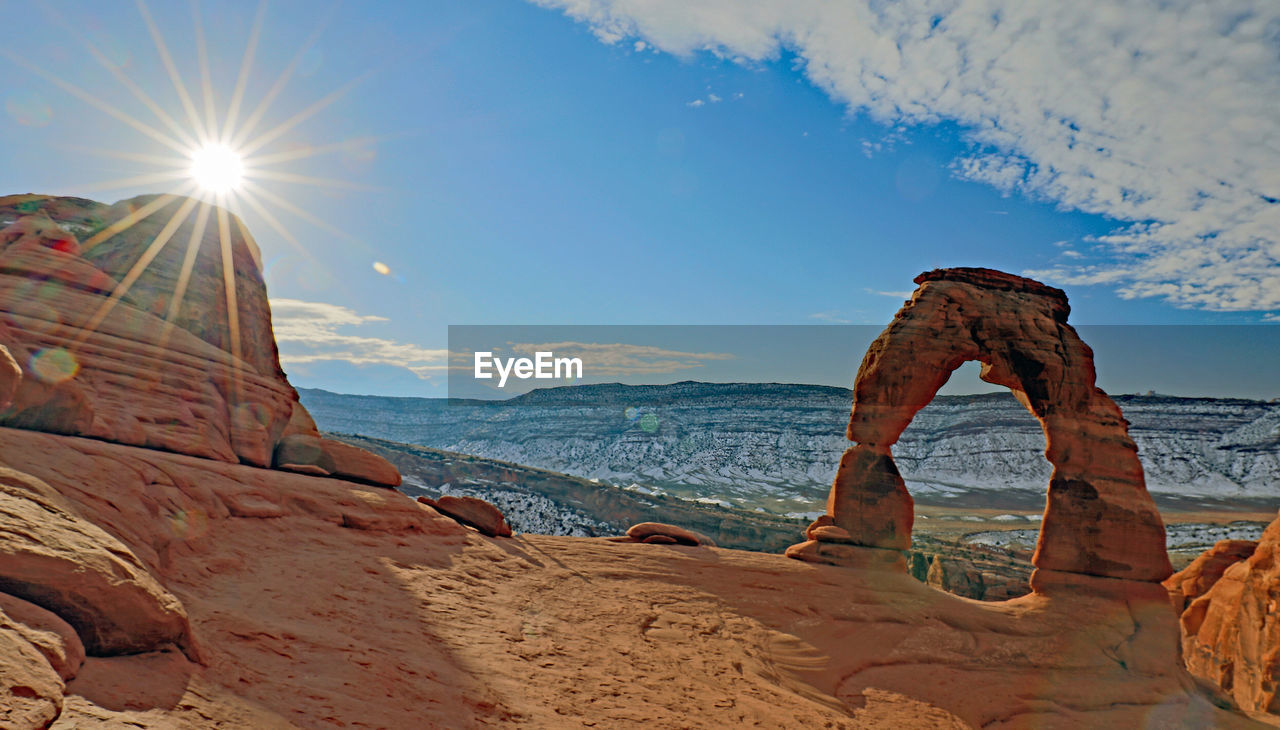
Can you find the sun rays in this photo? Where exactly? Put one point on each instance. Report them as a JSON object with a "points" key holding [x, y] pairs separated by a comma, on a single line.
{"points": [[210, 161]]}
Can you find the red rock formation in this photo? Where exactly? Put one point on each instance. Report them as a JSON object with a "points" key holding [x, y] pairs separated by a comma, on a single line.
{"points": [[471, 511], [1197, 578], [94, 534], [1099, 519], [323, 602], [644, 531], [118, 318], [1231, 626], [52, 557]]}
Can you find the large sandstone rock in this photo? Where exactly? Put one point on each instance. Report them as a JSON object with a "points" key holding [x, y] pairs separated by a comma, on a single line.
{"points": [[645, 531], [1197, 578], [471, 511], [1231, 631], [1099, 519], [118, 319], [53, 558]]}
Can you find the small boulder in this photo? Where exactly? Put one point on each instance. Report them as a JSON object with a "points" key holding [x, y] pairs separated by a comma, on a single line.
{"points": [[302, 453], [356, 464], [472, 512], [680, 535], [318, 456]]}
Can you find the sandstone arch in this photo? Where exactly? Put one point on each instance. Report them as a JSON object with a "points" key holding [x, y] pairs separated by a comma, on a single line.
{"points": [[1099, 519]]}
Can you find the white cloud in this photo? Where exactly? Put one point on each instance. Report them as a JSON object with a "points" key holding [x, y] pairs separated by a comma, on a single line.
{"points": [[1160, 114], [308, 332], [1271, 317], [714, 99], [613, 359], [833, 316], [696, 103]]}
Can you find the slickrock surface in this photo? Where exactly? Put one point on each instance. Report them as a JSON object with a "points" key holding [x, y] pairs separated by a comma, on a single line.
{"points": [[1099, 519], [112, 343], [1231, 631], [323, 603]]}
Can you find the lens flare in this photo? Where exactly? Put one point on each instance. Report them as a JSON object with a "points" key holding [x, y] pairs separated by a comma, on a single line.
{"points": [[217, 168], [53, 365], [381, 268]]}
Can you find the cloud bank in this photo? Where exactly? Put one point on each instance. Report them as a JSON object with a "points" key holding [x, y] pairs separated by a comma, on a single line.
{"points": [[1163, 115], [308, 332]]}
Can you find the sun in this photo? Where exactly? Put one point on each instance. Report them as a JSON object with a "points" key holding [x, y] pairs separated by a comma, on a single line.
{"points": [[217, 169], [219, 163]]}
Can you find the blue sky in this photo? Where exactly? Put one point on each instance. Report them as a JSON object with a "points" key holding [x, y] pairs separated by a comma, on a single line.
{"points": [[653, 162]]}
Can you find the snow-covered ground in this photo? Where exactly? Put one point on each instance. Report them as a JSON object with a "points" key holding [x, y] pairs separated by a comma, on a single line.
{"points": [[777, 446], [1177, 536]]}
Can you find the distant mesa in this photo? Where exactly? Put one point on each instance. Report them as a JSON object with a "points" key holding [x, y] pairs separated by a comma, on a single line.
{"points": [[1099, 519], [129, 328]]}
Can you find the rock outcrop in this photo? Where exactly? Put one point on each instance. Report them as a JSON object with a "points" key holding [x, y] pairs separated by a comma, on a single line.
{"points": [[1099, 519], [1196, 579], [103, 547], [472, 512], [1231, 623], [52, 557], [662, 533], [147, 323]]}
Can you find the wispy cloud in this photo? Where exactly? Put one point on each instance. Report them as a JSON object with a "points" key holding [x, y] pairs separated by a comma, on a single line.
{"points": [[610, 359], [1161, 116], [833, 316], [309, 332], [1271, 317]]}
